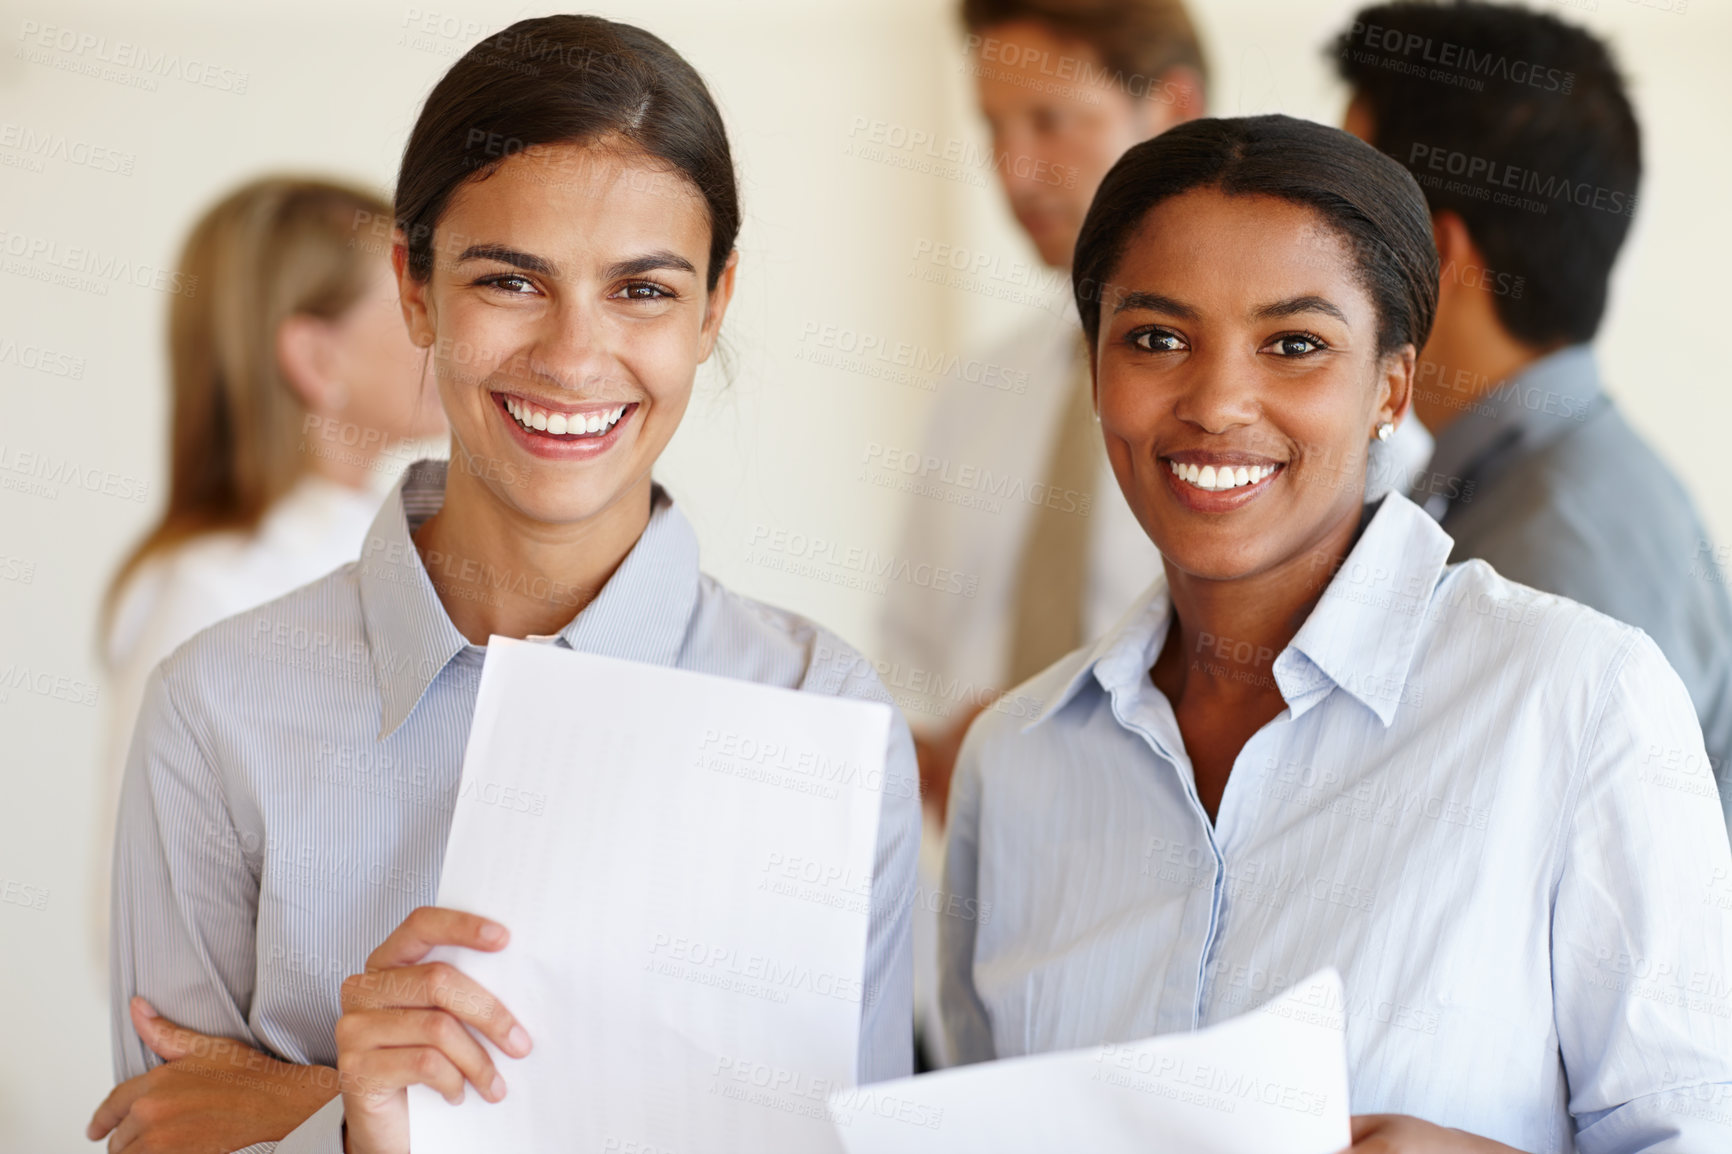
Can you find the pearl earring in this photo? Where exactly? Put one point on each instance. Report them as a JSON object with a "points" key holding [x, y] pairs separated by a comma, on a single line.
{"points": [[1385, 430]]}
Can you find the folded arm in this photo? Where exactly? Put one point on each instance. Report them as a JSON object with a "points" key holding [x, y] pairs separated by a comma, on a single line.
{"points": [[191, 1074]]}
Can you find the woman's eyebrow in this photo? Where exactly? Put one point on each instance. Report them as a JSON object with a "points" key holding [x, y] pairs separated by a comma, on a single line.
{"points": [[1155, 302], [652, 262], [1297, 305], [528, 262]]}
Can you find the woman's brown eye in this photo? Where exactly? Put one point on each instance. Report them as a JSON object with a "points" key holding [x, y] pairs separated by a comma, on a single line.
{"points": [[1297, 346], [1156, 341], [508, 282]]}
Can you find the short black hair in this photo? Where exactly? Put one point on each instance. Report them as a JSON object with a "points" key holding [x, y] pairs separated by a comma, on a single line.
{"points": [[1519, 124], [1362, 196], [556, 80]]}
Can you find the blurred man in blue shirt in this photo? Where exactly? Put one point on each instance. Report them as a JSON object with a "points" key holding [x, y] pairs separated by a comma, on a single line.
{"points": [[1519, 130]]}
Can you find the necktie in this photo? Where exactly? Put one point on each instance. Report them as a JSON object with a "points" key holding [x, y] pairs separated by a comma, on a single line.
{"points": [[1047, 617]]}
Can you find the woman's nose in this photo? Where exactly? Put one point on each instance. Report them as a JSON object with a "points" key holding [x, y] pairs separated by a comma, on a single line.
{"points": [[573, 345], [1219, 393]]}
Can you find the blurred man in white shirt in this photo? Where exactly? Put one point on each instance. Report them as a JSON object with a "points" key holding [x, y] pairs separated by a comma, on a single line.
{"points": [[1065, 86]]}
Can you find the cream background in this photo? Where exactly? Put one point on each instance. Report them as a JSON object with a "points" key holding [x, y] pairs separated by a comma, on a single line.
{"points": [[829, 240]]}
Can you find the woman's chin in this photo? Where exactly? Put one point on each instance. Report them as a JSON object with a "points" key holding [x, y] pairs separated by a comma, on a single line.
{"points": [[1215, 570], [566, 504], [1214, 556]]}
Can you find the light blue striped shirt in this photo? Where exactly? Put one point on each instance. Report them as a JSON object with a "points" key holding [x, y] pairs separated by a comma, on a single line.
{"points": [[1488, 807], [293, 776]]}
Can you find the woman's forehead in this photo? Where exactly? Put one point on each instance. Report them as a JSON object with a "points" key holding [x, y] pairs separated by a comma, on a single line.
{"points": [[566, 193], [1206, 242], [581, 171]]}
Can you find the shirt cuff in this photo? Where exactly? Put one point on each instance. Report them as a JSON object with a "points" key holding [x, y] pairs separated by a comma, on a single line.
{"points": [[320, 1134]]}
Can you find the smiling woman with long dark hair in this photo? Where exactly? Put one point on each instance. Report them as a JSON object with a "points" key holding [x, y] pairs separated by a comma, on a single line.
{"points": [[1313, 742], [567, 210]]}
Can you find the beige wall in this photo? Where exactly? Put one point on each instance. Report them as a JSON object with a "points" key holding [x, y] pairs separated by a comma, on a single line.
{"points": [[831, 239]]}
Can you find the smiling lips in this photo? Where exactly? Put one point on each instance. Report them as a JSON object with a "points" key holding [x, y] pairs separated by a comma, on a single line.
{"points": [[1219, 479], [561, 423]]}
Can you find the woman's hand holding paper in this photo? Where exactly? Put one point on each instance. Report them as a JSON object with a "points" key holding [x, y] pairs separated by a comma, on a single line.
{"points": [[407, 1022]]}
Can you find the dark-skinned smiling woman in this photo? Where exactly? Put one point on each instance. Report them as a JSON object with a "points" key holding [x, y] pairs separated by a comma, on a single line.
{"points": [[1313, 742]]}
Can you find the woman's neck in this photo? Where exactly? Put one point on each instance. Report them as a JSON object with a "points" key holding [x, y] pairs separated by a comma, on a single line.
{"points": [[497, 571], [1227, 634]]}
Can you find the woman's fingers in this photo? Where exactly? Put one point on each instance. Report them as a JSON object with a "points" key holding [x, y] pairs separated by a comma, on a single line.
{"points": [[115, 1107], [1363, 1126], [166, 1040], [399, 1067], [426, 1029], [124, 1134], [441, 986], [406, 1023], [431, 926]]}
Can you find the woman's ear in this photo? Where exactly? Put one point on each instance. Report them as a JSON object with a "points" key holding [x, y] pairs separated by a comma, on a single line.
{"points": [[717, 306], [1094, 376], [1395, 386], [412, 295], [307, 356]]}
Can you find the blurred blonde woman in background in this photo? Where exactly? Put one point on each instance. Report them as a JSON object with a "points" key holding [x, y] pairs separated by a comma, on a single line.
{"points": [[295, 387]]}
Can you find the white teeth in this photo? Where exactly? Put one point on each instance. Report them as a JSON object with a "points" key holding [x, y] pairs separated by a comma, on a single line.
{"points": [[1218, 480], [563, 424]]}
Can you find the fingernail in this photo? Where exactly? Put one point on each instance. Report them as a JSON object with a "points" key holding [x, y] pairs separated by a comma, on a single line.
{"points": [[517, 1041], [145, 1007], [492, 934], [497, 1090]]}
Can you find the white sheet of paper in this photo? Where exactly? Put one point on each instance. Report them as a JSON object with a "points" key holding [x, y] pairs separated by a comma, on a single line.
{"points": [[684, 863], [1271, 1081]]}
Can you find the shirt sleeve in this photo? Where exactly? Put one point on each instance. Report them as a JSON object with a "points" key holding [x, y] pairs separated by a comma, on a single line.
{"points": [[1684, 613], [967, 1030], [185, 901], [1641, 951], [887, 1004]]}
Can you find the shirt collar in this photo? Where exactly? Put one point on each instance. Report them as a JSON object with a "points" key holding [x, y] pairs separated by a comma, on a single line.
{"points": [[1526, 411], [1124, 653], [1361, 634], [1359, 637], [641, 614]]}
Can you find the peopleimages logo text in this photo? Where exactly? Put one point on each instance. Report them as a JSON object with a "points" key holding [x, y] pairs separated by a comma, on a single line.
{"points": [[1497, 174], [1447, 54]]}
